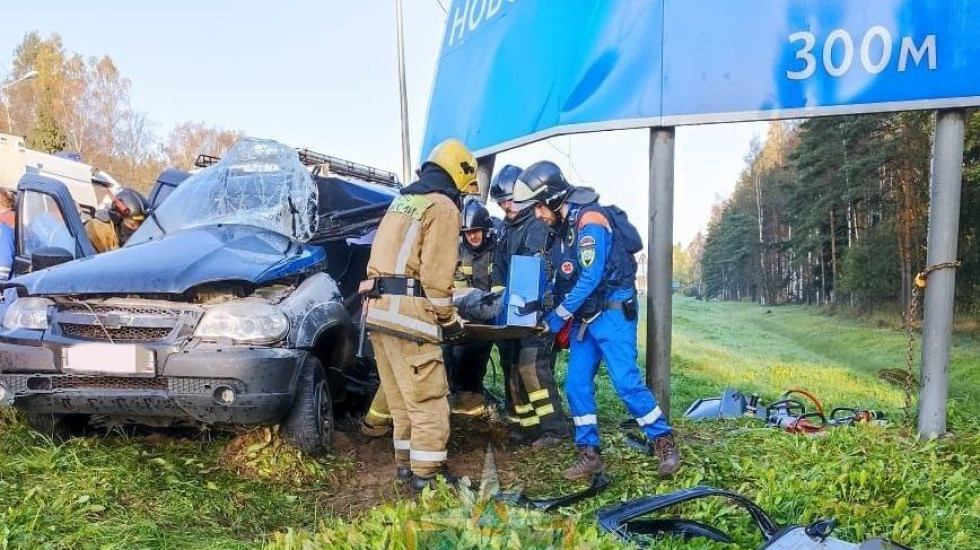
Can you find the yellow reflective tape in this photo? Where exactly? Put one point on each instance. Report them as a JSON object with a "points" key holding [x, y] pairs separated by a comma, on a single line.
{"points": [[521, 409], [378, 414], [466, 269], [498, 289], [545, 410], [533, 421], [538, 395]]}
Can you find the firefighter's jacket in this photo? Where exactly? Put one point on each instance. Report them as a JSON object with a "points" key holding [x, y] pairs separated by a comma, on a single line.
{"points": [[103, 234], [417, 239], [474, 269]]}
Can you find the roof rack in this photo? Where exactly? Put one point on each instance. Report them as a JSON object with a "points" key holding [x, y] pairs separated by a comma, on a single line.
{"points": [[343, 167], [334, 165], [204, 161]]}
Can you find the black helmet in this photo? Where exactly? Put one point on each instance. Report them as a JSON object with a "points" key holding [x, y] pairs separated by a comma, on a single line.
{"points": [[542, 183], [476, 217], [502, 187], [130, 204]]}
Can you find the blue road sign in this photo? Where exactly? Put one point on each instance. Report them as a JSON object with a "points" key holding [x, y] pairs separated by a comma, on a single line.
{"points": [[516, 71]]}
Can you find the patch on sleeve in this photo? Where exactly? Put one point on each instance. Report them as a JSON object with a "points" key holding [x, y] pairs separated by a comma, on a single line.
{"points": [[413, 206], [586, 251], [567, 268]]}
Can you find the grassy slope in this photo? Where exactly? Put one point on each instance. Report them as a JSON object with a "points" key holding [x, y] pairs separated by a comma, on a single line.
{"points": [[170, 493]]}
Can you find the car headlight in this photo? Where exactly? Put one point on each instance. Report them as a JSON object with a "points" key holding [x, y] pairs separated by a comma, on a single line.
{"points": [[27, 313], [243, 323]]}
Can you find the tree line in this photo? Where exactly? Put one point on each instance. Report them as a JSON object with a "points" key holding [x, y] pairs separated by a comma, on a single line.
{"points": [[83, 105], [834, 211]]}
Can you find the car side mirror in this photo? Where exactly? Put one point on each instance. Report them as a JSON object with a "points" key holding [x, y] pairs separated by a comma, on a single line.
{"points": [[49, 256]]}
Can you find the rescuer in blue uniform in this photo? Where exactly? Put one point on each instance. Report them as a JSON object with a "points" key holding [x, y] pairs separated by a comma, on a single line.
{"points": [[595, 290]]}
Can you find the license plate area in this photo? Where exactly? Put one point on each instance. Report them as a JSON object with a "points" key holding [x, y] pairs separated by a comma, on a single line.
{"points": [[98, 358]]}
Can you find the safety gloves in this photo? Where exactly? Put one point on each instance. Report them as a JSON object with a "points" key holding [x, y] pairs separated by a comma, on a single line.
{"points": [[452, 330]]}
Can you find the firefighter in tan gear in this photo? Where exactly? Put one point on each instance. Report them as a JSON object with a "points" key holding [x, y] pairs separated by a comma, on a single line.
{"points": [[111, 227], [410, 310]]}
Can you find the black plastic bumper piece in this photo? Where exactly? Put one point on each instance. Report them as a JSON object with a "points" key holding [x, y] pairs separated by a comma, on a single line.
{"points": [[262, 382]]}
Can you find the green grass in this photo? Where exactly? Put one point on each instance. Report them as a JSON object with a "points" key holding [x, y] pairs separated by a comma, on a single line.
{"points": [[173, 492]]}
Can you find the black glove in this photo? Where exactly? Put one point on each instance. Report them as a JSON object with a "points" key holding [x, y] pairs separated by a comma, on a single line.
{"points": [[452, 331]]}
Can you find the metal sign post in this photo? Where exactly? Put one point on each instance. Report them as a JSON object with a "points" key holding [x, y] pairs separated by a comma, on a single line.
{"points": [[660, 264], [944, 218], [403, 93]]}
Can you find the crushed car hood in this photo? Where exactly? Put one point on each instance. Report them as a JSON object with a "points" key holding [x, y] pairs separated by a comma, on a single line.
{"points": [[176, 263]]}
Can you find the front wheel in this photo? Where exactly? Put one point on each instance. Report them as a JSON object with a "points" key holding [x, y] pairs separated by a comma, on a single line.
{"points": [[309, 424]]}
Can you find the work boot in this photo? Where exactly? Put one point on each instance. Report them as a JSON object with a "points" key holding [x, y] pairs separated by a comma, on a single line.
{"points": [[588, 465], [371, 431], [520, 437], [666, 451], [469, 404], [419, 483], [403, 474], [546, 441]]}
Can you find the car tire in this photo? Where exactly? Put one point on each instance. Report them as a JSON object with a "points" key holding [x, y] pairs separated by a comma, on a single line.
{"points": [[309, 424]]}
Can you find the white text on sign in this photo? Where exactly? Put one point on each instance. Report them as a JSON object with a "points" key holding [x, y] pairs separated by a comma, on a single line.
{"points": [[872, 60]]}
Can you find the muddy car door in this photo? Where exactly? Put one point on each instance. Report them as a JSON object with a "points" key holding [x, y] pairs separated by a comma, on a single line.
{"points": [[49, 228]]}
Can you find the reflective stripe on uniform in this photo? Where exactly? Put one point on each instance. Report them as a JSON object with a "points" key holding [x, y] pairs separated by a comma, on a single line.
{"points": [[521, 409], [586, 420], [466, 269], [428, 456], [562, 312], [376, 313], [441, 302], [377, 414], [650, 417], [402, 444], [545, 410], [532, 421], [410, 236], [538, 395]]}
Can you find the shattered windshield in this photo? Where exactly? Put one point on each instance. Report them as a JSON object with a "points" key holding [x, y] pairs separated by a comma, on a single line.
{"points": [[258, 183]]}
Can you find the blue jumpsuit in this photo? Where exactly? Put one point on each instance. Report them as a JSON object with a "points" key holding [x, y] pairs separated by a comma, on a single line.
{"points": [[583, 260]]}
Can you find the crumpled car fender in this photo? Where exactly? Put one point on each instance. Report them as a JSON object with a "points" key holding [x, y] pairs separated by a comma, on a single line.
{"points": [[316, 306]]}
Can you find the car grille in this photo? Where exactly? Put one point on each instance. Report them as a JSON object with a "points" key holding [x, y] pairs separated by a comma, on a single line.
{"points": [[30, 383], [122, 323], [107, 309], [124, 334]]}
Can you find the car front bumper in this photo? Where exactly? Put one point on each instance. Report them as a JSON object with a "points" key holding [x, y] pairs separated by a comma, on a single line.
{"points": [[187, 385]]}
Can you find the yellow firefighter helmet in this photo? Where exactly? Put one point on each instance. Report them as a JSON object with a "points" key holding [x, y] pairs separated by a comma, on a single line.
{"points": [[458, 161]]}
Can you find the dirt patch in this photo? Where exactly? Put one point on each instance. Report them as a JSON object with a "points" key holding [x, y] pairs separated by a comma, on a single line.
{"points": [[371, 480]]}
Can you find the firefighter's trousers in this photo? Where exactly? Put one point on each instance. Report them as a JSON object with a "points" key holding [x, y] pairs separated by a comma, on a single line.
{"points": [[529, 374], [413, 378], [378, 415], [613, 338]]}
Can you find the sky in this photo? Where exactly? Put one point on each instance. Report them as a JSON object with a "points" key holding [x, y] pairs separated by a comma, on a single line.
{"points": [[323, 74]]}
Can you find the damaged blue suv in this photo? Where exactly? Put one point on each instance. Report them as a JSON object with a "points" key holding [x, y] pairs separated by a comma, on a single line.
{"points": [[232, 305]]}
